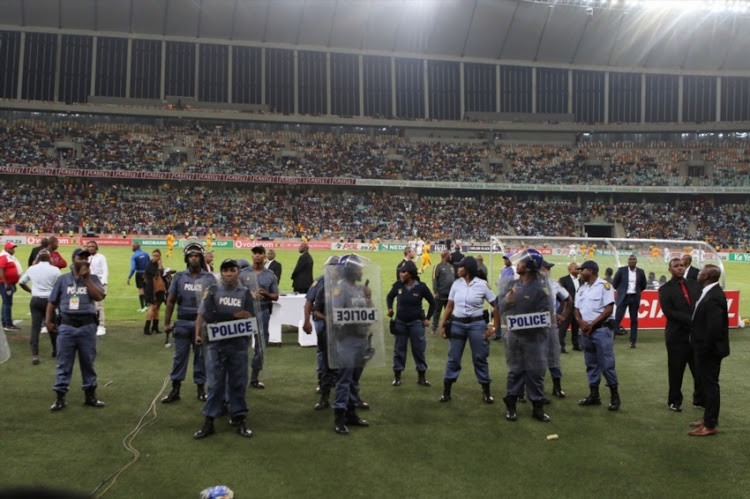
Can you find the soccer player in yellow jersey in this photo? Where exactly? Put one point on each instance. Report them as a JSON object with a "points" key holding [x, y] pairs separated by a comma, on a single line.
{"points": [[591, 252], [426, 262], [654, 254], [170, 244], [209, 242]]}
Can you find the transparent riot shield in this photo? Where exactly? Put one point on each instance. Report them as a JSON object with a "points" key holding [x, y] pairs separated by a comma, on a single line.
{"points": [[249, 280], [4, 347], [354, 322], [527, 310]]}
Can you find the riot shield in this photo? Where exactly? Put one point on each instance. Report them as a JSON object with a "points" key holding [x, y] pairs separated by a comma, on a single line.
{"points": [[527, 310], [248, 280], [354, 322], [4, 347]]}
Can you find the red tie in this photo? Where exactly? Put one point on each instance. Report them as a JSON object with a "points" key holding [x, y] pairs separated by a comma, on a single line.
{"points": [[685, 291]]}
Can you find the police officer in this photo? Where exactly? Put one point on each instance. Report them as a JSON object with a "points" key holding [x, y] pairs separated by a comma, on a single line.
{"points": [[410, 321], [526, 344], [465, 308], [593, 310], [557, 294], [326, 375], [226, 359], [186, 290], [268, 292], [74, 294], [348, 345]]}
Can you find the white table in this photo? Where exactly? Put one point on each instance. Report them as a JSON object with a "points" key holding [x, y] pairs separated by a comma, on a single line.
{"points": [[290, 311]]}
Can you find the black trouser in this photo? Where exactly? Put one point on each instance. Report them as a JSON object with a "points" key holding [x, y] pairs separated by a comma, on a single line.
{"points": [[38, 308], [630, 303], [440, 304], [328, 375], [563, 331], [680, 354], [709, 367]]}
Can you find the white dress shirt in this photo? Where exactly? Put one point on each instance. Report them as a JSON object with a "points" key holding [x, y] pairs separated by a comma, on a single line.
{"points": [[99, 267]]}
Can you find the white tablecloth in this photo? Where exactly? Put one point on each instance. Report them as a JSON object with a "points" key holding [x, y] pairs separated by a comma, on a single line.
{"points": [[290, 311]]}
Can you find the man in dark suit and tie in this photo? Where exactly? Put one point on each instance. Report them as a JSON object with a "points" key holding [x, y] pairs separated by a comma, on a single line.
{"points": [[302, 276], [677, 298], [691, 273], [710, 339], [629, 282], [273, 265], [571, 284]]}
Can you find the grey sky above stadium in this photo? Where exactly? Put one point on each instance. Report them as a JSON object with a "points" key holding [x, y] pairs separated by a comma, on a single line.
{"points": [[474, 30]]}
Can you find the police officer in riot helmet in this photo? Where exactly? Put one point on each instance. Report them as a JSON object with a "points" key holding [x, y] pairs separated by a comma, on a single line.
{"points": [[226, 359], [528, 308], [185, 291]]}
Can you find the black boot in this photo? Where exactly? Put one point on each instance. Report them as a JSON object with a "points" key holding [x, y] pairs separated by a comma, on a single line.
{"points": [[340, 422], [147, 328], [352, 419], [206, 430], [593, 398], [557, 388], [59, 403], [174, 395], [614, 401], [538, 412], [486, 397], [91, 398], [241, 427], [396, 378], [447, 383], [201, 392], [254, 380], [323, 402], [155, 326], [421, 380], [510, 407]]}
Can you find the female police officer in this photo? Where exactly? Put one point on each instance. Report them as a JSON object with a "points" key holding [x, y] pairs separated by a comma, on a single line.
{"points": [[410, 321], [466, 304], [226, 359]]}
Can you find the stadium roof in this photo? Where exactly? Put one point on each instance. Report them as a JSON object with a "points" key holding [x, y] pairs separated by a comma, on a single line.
{"points": [[595, 33]]}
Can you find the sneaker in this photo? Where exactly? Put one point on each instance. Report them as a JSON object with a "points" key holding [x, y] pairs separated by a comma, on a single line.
{"points": [[35, 359], [44, 330], [143, 309], [100, 331], [12, 327]]}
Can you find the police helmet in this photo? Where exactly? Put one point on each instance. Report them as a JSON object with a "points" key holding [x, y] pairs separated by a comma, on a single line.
{"points": [[332, 260], [193, 249], [351, 265], [533, 259]]}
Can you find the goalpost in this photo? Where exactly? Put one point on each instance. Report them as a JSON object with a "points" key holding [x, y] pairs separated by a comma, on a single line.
{"points": [[653, 254]]}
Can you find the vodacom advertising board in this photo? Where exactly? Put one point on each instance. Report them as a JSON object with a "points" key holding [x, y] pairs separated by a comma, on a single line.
{"points": [[650, 315]]}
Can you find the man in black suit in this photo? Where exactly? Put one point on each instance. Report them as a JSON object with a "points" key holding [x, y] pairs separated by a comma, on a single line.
{"points": [[273, 265], [456, 257], [710, 339], [691, 273], [302, 276], [629, 282], [571, 284], [35, 251], [408, 257], [677, 298]]}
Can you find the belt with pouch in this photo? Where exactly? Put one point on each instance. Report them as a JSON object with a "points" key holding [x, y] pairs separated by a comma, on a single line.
{"points": [[468, 320], [78, 321]]}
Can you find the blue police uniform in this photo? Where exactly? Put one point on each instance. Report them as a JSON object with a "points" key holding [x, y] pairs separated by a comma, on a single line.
{"points": [[266, 280], [468, 324], [188, 289], [77, 330], [409, 326], [599, 353], [226, 360], [526, 350], [553, 358], [327, 374]]}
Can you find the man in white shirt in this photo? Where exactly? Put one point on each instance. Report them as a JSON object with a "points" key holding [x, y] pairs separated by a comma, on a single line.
{"points": [[43, 277], [99, 268]]}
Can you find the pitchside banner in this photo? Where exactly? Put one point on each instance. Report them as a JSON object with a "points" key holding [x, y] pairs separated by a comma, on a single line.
{"points": [[650, 315]]}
